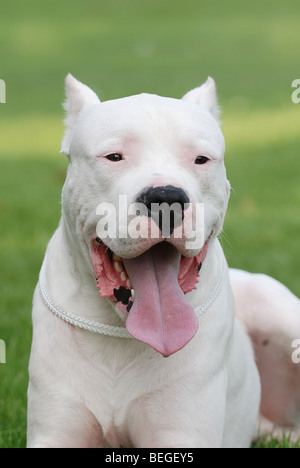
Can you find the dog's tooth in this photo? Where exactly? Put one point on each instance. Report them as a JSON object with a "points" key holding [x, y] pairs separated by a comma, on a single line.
{"points": [[123, 276], [118, 267], [117, 258], [128, 283], [133, 294]]}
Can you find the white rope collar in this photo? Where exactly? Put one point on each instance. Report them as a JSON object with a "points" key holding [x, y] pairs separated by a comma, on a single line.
{"points": [[109, 330]]}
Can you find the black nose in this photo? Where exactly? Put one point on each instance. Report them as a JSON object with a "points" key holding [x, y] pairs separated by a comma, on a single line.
{"points": [[166, 206]]}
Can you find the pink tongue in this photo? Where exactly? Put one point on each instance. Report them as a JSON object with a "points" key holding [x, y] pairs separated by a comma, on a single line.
{"points": [[160, 315]]}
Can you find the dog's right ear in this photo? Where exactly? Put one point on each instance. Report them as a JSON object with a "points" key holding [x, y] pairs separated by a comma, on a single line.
{"points": [[78, 97], [206, 97]]}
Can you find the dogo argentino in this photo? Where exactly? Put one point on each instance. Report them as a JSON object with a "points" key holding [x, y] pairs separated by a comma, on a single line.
{"points": [[136, 340]]}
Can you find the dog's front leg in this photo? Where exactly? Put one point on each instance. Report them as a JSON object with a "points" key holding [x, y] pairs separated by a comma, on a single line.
{"points": [[58, 422]]}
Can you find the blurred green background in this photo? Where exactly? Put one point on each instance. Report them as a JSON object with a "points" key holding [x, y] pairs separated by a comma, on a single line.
{"points": [[122, 47]]}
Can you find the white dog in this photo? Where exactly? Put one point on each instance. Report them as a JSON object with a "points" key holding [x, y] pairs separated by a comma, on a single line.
{"points": [[135, 338]]}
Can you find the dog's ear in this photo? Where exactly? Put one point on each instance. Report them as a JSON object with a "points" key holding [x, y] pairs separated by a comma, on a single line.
{"points": [[206, 97], [78, 97]]}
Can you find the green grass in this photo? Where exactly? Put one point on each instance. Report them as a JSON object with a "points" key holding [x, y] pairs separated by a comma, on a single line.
{"points": [[120, 47], [283, 442]]}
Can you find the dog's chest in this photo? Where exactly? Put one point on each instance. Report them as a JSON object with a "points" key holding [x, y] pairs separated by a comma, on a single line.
{"points": [[112, 387]]}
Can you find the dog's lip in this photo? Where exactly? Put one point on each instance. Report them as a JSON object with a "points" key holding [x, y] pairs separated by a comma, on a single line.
{"points": [[120, 256], [111, 275], [96, 241]]}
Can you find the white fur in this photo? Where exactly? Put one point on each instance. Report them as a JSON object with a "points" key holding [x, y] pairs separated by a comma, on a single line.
{"points": [[79, 96], [205, 96], [88, 390]]}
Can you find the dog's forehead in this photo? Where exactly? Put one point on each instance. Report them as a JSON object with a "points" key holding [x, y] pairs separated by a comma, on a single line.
{"points": [[148, 116], [149, 108]]}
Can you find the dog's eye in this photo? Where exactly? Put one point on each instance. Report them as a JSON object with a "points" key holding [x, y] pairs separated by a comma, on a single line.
{"points": [[201, 160], [114, 157]]}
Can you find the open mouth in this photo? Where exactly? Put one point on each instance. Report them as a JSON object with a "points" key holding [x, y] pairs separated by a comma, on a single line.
{"points": [[149, 291]]}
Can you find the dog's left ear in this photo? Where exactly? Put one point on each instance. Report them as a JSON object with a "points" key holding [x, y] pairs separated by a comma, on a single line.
{"points": [[78, 97], [206, 97]]}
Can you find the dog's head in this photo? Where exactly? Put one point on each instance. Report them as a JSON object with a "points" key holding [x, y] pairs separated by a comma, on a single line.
{"points": [[145, 195]]}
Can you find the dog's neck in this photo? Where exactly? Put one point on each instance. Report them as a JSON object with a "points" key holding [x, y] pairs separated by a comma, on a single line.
{"points": [[74, 289]]}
